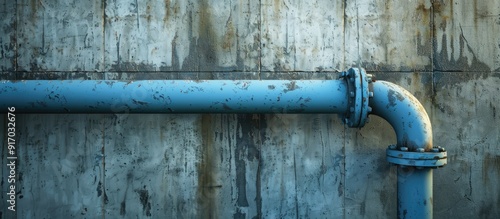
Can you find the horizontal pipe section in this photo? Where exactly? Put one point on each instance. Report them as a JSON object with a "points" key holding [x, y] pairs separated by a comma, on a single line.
{"points": [[405, 114], [175, 96]]}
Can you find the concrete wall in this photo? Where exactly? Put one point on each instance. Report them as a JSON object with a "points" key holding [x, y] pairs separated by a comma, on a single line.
{"points": [[447, 53]]}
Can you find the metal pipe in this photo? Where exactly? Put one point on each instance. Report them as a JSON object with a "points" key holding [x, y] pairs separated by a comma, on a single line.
{"points": [[404, 113], [354, 96], [175, 96], [414, 192], [414, 153]]}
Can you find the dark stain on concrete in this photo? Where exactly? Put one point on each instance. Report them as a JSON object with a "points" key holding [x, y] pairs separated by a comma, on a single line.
{"points": [[248, 149], [443, 81], [145, 201], [251, 124], [202, 50], [99, 189], [106, 200], [494, 110], [261, 122], [491, 167], [424, 16], [33, 10], [487, 209], [362, 208], [443, 63], [167, 12], [132, 66], [118, 58], [123, 210], [386, 197], [8, 51], [437, 6], [242, 142], [48, 75], [253, 128], [228, 42], [239, 215], [206, 191]]}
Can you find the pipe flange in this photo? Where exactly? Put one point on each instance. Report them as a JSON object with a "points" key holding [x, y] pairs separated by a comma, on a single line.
{"points": [[437, 157], [358, 96]]}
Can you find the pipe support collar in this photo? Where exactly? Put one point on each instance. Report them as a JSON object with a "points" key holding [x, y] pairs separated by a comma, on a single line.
{"points": [[433, 159]]}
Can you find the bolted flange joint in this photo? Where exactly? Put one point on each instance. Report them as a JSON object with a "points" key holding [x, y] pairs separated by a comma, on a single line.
{"points": [[436, 157], [358, 96]]}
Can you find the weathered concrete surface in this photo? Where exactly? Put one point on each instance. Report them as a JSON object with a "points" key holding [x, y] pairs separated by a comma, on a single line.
{"points": [[59, 35], [388, 35], [471, 177], [466, 35], [244, 166], [54, 179], [8, 50], [302, 35], [182, 35], [172, 166]]}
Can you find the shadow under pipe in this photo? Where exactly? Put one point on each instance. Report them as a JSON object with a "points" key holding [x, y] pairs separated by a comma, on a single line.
{"points": [[354, 96]]}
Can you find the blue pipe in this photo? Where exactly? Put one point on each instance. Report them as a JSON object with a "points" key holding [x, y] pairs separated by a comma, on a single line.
{"points": [[405, 114], [354, 96], [414, 192], [414, 153], [175, 96]]}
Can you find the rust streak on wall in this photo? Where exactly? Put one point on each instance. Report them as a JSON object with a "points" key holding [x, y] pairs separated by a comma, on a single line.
{"points": [[207, 185]]}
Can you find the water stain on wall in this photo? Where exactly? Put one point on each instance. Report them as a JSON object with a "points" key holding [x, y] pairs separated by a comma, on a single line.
{"points": [[246, 155], [167, 11], [443, 62], [202, 50], [144, 199], [207, 185], [491, 167], [460, 28]]}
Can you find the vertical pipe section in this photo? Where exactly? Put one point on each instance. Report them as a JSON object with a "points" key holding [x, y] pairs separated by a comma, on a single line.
{"points": [[175, 96], [414, 139], [414, 192]]}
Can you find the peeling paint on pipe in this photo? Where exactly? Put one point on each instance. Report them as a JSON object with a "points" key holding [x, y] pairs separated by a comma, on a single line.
{"points": [[175, 96], [405, 114]]}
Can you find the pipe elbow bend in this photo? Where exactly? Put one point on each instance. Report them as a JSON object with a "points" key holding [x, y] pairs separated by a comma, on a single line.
{"points": [[404, 113]]}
